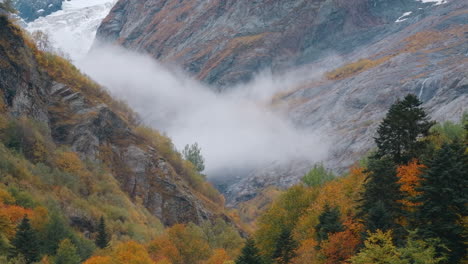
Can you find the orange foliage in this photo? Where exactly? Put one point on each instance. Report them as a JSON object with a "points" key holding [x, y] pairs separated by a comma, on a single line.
{"points": [[342, 245], [220, 256], [99, 260], [15, 213], [162, 248], [306, 252], [409, 179], [342, 193], [131, 253]]}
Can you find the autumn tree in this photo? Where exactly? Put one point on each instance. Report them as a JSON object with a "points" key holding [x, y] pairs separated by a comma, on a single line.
{"points": [[443, 200], [25, 242], [409, 180], [102, 238], [399, 135], [340, 246], [67, 253], [193, 154], [250, 254], [378, 249], [329, 222]]}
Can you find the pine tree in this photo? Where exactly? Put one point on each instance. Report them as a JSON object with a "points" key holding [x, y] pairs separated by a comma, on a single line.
{"points": [[67, 253], [102, 239], [285, 249], [329, 222], [250, 254], [443, 200], [379, 207], [25, 242], [400, 132], [193, 154]]}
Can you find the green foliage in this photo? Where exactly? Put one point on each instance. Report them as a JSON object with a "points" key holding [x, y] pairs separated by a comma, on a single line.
{"points": [[222, 235], [444, 199], [102, 238], [399, 134], [22, 198], [55, 231], [329, 222], [25, 242], [193, 154], [285, 249], [67, 253], [379, 249], [250, 254], [318, 176]]}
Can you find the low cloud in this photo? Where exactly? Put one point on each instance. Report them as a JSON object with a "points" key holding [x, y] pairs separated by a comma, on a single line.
{"points": [[236, 130]]}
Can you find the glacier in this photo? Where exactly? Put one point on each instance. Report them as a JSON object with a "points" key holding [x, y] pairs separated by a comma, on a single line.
{"points": [[73, 28]]}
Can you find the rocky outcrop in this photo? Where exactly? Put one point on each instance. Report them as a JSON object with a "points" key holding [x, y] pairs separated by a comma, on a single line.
{"points": [[92, 129]]}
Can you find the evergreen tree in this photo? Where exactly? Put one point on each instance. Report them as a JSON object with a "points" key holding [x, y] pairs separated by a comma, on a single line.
{"points": [[250, 254], [285, 249], [25, 242], [102, 239], [192, 153], [67, 253], [400, 132], [329, 222], [443, 200], [54, 232], [379, 207]]}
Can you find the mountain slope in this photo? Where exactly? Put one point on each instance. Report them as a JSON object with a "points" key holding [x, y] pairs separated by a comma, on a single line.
{"points": [[361, 56], [78, 115], [225, 42]]}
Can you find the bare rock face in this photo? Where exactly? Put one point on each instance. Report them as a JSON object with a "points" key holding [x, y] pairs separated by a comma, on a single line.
{"points": [[225, 42], [95, 132]]}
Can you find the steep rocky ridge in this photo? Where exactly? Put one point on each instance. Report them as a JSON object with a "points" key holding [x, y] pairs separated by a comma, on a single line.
{"points": [[87, 120], [224, 42], [387, 49]]}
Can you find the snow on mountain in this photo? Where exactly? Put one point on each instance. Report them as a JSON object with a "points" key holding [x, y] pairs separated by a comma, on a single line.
{"points": [[73, 28]]}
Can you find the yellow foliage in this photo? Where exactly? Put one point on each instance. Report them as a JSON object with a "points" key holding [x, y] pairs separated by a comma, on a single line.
{"points": [[354, 68], [131, 253], [69, 162], [220, 256], [99, 260]]}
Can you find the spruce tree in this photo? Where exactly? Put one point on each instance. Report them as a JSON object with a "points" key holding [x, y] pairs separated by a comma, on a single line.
{"points": [[285, 249], [102, 239], [250, 254], [400, 132], [379, 207], [25, 242], [329, 222], [443, 200]]}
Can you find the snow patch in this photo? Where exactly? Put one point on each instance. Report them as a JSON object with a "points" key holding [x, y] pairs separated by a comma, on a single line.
{"points": [[436, 2], [403, 17]]}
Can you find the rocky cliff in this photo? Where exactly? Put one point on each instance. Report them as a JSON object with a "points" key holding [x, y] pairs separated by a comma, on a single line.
{"points": [[79, 115], [30, 10], [225, 42]]}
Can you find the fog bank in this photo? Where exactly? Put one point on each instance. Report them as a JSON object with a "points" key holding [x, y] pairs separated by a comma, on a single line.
{"points": [[236, 130]]}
